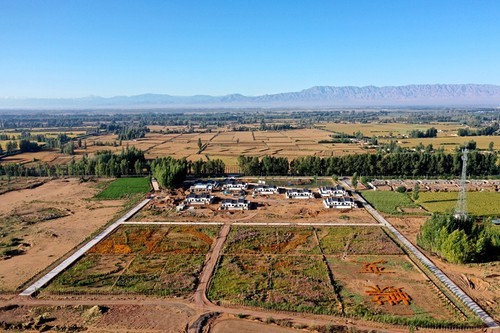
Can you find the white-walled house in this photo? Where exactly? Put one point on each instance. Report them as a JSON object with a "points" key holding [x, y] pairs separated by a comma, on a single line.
{"points": [[234, 185], [339, 203], [335, 191], [199, 199], [265, 189], [204, 186], [232, 204], [299, 193]]}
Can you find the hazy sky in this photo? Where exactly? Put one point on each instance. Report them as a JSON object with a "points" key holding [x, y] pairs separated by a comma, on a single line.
{"points": [[77, 48]]}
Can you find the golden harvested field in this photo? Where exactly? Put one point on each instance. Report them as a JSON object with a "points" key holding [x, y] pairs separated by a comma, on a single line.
{"points": [[383, 129], [450, 143], [51, 157], [225, 145]]}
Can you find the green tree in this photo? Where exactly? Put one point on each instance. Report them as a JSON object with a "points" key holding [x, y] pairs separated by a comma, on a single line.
{"points": [[354, 180], [416, 192], [200, 145], [491, 145]]}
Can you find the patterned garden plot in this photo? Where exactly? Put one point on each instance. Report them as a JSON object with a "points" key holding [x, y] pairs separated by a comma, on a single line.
{"points": [[356, 240], [163, 260], [284, 282], [390, 276], [271, 240]]}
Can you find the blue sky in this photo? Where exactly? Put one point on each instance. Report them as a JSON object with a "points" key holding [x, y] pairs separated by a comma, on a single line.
{"points": [[80, 48]]}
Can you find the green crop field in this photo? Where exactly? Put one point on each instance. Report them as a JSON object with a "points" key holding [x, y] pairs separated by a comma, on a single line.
{"points": [[478, 203], [388, 201], [124, 187]]}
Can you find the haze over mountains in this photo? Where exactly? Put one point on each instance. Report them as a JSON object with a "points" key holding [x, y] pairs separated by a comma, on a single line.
{"points": [[319, 96]]}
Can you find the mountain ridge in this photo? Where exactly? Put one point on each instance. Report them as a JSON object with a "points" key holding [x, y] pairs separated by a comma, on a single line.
{"points": [[316, 96]]}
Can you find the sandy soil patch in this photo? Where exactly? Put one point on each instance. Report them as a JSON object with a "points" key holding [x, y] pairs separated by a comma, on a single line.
{"points": [[150, 318], [245, 326], [272, 208], [45, 241]]}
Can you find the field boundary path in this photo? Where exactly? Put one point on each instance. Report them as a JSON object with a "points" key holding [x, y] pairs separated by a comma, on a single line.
{"points": [[259, 224], [200, 296], [32, 289], [455, 289]]}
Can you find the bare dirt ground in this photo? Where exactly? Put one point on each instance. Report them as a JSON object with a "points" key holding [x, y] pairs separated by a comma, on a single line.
{"points": [[271, 208], [480, 281], [245, 326], [144, 318], [44, 241]]}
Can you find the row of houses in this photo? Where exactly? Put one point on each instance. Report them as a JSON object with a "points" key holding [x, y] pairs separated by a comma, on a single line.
{"points": [[335, 196], [229, 184], [208, 199]]}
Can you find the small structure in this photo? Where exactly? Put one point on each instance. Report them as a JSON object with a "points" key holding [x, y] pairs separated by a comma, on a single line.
{"points": [[336, 191], [232, 204], [339, 203], [296, 193], [496, 221], [199, 199], [154, 183], [265, 189], [204, 186], [232, 184]]}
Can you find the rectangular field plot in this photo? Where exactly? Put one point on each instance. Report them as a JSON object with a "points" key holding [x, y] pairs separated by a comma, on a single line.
{"points": [[356, 240], [271, 240], [295, 283], [161, 260], [347, 270], [388, 285], [123, 187]]}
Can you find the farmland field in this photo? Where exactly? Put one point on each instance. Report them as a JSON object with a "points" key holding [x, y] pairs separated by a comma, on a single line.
{"points": [[145, 260], [450, 143], [123, 187], [384, 129], [478, 203], [283, 269], [388, 201]]}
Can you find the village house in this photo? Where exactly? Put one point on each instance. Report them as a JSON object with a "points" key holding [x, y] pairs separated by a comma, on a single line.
{"points": [[265, 189], [336, 191], [199, 199], [339, 203], [234, 185], [204, 186], [232, 204], [299, 194]]}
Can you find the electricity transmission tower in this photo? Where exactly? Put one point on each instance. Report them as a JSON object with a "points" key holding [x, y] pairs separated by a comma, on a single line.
{"points": [[461, 210]]}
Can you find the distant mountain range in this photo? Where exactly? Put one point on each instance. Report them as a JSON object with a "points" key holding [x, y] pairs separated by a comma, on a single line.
{"points": [[320, 96]]}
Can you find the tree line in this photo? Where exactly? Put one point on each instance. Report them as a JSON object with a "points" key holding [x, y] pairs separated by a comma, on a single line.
{"points": [[429, 133], [130, 161], [399, 164], [488, 130], [460, 240]]}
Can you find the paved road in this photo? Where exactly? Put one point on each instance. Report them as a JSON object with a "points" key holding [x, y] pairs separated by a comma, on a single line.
{"points": [[488, 320], [80, 252]]}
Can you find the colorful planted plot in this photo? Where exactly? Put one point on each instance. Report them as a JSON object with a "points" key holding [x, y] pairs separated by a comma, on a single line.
{"points": [[394, 288], [356, 240], [269, 240], [289, 269], [294, 283], [153, 260]]}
